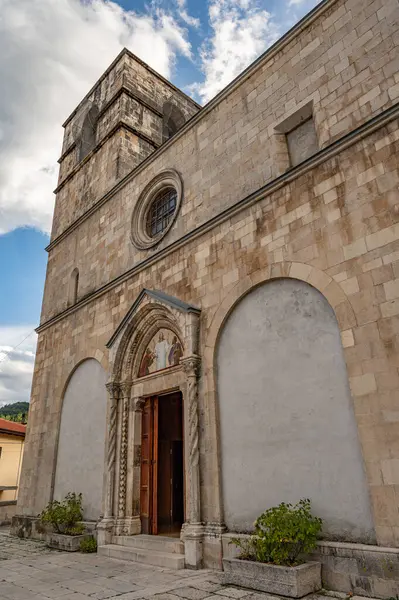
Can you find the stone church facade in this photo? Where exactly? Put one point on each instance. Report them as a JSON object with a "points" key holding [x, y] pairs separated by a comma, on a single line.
{"points": [[220, 321]]}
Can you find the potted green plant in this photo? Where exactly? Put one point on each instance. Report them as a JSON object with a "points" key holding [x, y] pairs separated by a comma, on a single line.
{"points": [[67, 532], [273, 559]]}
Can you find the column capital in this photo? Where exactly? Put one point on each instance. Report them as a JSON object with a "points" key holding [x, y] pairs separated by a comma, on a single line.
{"points": [[191, 365], [138, 403], [125, 387], [113, 389]]}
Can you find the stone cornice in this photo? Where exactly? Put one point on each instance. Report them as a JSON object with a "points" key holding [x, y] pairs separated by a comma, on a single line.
{"points": [[320, 157], [305, 22]]}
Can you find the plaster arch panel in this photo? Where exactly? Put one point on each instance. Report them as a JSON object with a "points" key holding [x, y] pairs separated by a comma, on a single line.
{"points": [[287, 426], [81, 442]]}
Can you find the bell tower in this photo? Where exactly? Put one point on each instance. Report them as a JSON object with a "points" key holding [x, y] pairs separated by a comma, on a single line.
{"points": [[125, 117]]}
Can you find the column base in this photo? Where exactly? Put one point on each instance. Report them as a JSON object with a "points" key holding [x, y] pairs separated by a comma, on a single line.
{"points": [[105, 531], [213, 546], [128, 526], [215, 529], [192, 534]]}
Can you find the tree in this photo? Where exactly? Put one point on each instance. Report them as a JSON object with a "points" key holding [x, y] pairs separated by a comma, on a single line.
{"points": [[17, 412]]}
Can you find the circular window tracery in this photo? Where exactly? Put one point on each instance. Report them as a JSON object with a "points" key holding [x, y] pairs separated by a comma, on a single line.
{"points": [[156, 209], [161, 211]]}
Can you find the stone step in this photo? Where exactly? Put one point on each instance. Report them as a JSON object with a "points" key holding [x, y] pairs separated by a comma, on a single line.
{"points": [[149, 557], [161, 543]]}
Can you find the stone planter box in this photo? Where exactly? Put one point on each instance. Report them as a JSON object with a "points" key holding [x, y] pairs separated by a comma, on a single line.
{"points": [[67, 543], [294, 582]]}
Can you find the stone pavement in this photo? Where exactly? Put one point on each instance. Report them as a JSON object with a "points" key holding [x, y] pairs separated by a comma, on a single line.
{"points": [[11, 547], [30, 571]]}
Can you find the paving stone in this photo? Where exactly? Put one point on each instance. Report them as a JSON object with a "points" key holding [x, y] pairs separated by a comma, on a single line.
{"points": [[208, 586], [12, 548], [233, 592], [166, 597], [105, 594], [75, 596], [191, 593]]}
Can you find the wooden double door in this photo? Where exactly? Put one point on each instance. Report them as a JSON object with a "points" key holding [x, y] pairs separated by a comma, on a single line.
{"points": [[162, 465]]}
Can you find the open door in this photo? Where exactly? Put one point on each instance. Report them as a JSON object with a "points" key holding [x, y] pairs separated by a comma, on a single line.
{"points": [[155, 466], [162, 465], [149, 467]]}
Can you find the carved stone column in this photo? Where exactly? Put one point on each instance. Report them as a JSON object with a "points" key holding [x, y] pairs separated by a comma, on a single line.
{"points": [[193, 529], [105, 527], [133, 523], [124, 429]]}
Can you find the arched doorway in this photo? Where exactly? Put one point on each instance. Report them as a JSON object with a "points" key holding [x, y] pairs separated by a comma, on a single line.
{"points": [[153, 428], [81, 443], [286, 420]]}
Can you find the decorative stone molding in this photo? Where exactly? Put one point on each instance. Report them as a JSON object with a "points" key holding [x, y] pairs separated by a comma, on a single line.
{"points": [[125, 389], [139, 235], [151, 311], [138, 405], [214, 530], [191, 366], [113, 393]]}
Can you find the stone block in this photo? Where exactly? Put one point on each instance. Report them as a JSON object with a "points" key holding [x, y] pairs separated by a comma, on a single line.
{"points": [[390, 309], [355, 249], [391, 289], [390, 471], [350, 286], [363, 384], [294, 582], [28, 527], [66, 543], [347, 338]]}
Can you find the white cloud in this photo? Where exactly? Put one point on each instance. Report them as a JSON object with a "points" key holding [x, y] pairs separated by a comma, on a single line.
{"points": [[192, 21], [17, 355], [242, 30], [51, 53]]}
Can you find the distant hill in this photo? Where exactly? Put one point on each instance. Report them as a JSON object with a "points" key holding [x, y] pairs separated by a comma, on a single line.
{"points": [[17, 412]]}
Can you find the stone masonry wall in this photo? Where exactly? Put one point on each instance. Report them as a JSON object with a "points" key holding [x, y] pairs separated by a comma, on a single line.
{"points": [[335, 226], [344, 62], [333, 223], [98, 174]]}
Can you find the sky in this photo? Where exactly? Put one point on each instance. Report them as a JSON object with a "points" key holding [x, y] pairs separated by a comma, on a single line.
{"points": [[51, 54]]}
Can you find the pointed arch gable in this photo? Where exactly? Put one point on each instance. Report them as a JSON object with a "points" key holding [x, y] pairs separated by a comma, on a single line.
{"points": [[151, 312]]}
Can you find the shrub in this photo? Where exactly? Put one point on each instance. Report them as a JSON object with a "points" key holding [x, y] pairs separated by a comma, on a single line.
{"points": [[88, 545], [64, 516], [282, 534]]}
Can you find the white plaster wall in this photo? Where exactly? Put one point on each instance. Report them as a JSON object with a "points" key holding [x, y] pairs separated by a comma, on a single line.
{"points": [[80, 459], [287, 425]]}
